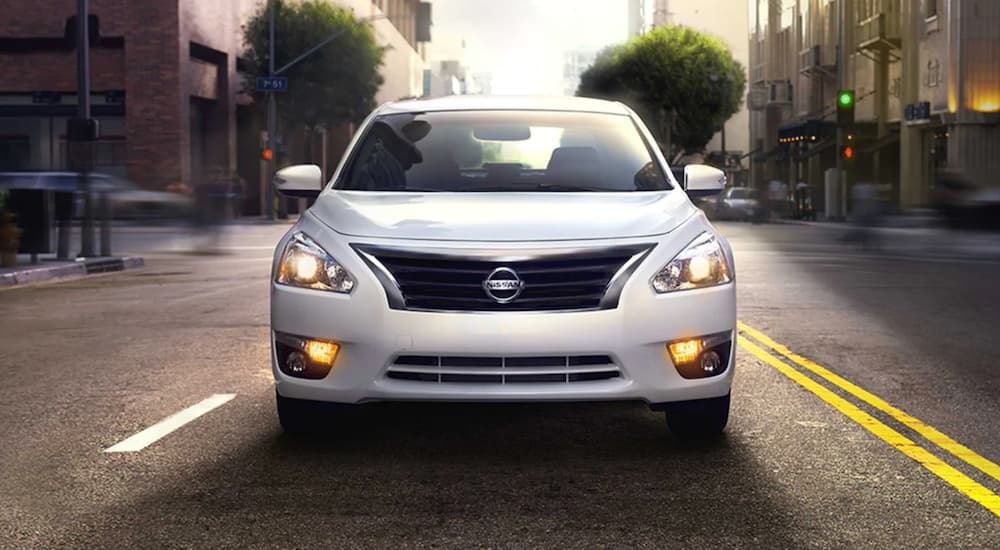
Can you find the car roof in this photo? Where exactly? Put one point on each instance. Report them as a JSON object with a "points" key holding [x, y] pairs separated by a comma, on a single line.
{"points": [[505, 103]]}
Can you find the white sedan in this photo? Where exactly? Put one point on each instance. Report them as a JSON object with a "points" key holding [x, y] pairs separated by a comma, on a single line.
{"points": [[503, 250]]}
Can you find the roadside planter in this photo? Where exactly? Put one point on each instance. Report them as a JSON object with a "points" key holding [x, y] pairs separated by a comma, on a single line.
{"points": [[10, 235]]}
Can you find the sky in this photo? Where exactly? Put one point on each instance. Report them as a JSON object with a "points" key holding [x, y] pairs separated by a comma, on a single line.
{"points": [[522, 42]]}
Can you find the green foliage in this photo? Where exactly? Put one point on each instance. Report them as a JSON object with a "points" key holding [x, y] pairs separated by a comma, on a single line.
{"points": [[671, 69], [492, 151], [335, 84]]}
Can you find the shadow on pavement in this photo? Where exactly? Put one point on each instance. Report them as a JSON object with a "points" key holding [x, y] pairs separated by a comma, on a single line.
{"points": [[462, 475], [915, 331]]}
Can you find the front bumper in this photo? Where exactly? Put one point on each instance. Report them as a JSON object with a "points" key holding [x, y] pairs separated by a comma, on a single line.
{"points": [[372, 336]]}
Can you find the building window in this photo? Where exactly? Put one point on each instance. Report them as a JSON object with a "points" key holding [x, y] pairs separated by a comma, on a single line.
{"points": [[931, 16], [15, 152], [930, 8], [109, 151]]}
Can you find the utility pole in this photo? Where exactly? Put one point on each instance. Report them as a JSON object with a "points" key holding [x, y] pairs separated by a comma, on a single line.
{"points": [[272, 111], [82, 130]]}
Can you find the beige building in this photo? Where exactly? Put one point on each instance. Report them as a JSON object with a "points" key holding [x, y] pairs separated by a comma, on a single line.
{"points": [[926, 75], [727, 20]]}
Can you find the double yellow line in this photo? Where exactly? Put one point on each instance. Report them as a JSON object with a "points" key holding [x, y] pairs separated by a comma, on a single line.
{"points": [[776, 355]]}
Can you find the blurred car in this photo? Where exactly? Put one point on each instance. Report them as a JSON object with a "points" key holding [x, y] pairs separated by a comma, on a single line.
{"points": [[128, 201], [966, 205], [738, 203]]}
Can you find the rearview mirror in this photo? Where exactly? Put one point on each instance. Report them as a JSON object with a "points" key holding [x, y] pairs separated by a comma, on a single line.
{"points": [[703, 181], [505, 132], [301, 180]]}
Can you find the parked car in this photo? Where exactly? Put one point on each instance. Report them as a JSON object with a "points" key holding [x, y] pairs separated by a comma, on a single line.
{"points": [[503, 249], [128, 201], [738, 203]]}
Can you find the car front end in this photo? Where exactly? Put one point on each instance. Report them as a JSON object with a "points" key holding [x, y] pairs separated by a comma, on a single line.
{"points": [[400, 338], [417, 295]]}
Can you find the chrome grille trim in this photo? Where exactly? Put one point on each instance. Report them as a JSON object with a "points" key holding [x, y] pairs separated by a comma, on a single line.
{"points": [[503, 370], [438, 277]]}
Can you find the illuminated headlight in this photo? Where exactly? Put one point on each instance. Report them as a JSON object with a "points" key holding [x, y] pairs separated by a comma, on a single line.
{"points": [[305, 264], [701, 264]]}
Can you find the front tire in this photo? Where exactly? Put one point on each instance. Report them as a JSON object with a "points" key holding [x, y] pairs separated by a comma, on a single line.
{"points": [[298, 416], [699, 419]]}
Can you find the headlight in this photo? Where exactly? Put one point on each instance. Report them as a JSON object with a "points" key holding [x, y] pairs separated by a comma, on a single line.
{"points": [[701, 264], [305, 264]]}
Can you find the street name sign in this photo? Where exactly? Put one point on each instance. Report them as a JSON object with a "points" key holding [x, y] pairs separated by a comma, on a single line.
{"points": [[272, 84]]}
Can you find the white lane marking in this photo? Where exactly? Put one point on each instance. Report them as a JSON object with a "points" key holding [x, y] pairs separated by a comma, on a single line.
{"points": [[155, 432]]}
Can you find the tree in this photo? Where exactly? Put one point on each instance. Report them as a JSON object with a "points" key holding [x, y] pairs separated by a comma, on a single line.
{"points": [[335, 84], [684, 83]]}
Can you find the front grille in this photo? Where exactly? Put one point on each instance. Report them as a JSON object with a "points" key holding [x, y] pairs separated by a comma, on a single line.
{"points": [[503, 370], [580, 279]]}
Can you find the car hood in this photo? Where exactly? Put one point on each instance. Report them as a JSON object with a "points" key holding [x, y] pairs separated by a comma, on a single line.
{"points": [[502, 216]]}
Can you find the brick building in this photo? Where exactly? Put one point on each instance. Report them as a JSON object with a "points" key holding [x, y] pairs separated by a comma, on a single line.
{"points": [[165, 80]]}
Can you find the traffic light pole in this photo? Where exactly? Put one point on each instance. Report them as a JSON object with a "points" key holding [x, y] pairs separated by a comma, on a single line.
{"points": [[272, 107], [841, 176]]}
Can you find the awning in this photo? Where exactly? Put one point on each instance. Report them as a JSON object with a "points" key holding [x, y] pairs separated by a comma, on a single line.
{"points": [[805, 131]]}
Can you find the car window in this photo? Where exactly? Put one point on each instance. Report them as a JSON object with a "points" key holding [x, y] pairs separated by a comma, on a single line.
{"points": [[737, 193], [495, 151]]}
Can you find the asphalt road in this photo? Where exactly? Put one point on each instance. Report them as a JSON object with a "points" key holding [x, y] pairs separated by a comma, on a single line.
{"points": [[86, 364]]}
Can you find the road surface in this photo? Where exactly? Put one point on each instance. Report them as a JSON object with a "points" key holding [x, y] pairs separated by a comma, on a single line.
{"points": [[877, 427]]}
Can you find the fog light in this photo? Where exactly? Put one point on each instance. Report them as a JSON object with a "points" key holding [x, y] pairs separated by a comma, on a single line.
{"points": [[702, 357], [685, 351], [322, 352], [296, 362], [303, 357], [710, 362]]}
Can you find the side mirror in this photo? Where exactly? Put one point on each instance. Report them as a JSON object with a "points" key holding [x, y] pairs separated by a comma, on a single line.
{"points": [[301, 180], [703, 181]]}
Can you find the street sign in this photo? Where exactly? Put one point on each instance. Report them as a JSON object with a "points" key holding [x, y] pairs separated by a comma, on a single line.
{"points": [[917, 113], [272, 84]]}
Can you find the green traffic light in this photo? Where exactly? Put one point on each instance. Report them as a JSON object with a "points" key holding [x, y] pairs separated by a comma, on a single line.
{"points": [[845, 98]]}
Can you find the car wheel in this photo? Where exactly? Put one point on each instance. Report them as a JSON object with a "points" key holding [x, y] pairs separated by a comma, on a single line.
{"points": [[699, 419], [298, 416]]}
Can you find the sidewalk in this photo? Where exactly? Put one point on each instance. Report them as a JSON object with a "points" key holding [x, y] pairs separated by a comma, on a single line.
{"points": [[923, 240], [49, 270]]}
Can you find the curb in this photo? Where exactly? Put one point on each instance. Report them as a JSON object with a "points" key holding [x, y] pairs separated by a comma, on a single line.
{"points": [[80, 268]]}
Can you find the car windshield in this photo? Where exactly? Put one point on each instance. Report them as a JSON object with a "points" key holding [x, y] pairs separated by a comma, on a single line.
{"points": [[497, 151]]}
